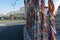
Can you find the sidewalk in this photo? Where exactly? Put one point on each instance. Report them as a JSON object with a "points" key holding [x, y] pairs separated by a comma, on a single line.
{"points": [[10, 23]]}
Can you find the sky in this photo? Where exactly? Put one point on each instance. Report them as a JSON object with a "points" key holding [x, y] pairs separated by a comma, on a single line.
{"points": [[6, 5]]}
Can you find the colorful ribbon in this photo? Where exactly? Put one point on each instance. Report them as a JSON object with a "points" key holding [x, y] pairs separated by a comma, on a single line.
{"points": [[52, 24], [37, 26]]}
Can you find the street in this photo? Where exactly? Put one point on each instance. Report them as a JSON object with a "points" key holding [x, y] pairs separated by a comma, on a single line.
{"points": [[11, 32], [14, 30]]}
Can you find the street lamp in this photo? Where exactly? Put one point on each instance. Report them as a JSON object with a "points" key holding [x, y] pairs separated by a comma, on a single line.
{"points": [[14, 4]]}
